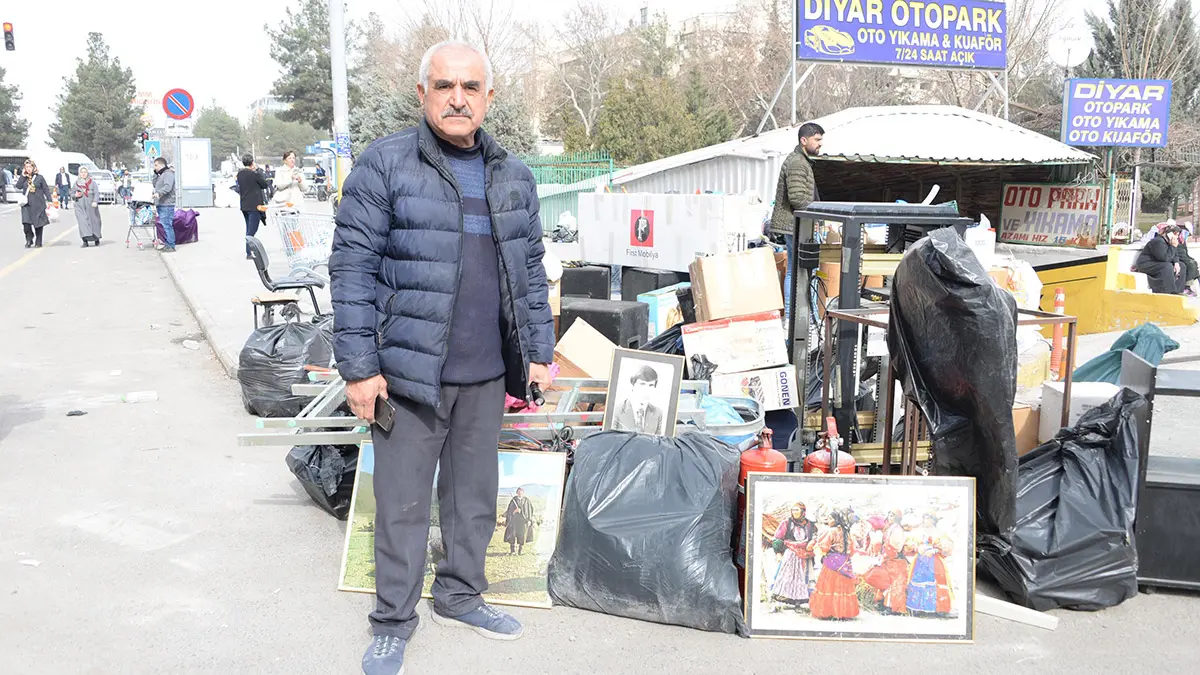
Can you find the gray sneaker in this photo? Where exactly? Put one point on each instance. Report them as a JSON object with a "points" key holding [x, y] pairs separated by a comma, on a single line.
{"points": [[485, 620], [384, 656]]}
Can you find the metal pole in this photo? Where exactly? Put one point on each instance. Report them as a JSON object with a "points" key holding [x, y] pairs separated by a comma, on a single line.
{"points": [[792, 52], [341, 96]]}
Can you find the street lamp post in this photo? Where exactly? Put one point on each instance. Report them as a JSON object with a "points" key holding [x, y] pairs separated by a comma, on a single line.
{"points": [[341, 103]]}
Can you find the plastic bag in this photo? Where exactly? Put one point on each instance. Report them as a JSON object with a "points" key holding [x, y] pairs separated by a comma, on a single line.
{"points": [[274, 358], [952, 336], [52, 214], [1073, 545], [646, 531], [327, 474], [1147, 341]]}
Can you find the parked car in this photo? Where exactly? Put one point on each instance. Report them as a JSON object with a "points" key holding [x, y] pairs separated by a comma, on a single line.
{"points": [[106, 186]]}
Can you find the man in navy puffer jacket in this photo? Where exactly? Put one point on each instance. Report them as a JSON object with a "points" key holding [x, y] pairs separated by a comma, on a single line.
{"points": [[440, 307]]}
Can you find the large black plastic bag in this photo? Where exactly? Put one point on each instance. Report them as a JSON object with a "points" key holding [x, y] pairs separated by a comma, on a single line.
{"points": [[1073, 545], [646, 531], [953, 340], [274, 358], [327, 474]]}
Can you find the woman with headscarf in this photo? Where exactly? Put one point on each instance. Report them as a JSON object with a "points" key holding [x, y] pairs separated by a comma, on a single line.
{"points": [[1191, 272], [1159, 261], [32, 186], [87, 208], [792, 537], [836, 595], [929, 592]]}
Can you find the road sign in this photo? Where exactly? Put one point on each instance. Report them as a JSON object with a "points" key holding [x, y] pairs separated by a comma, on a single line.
{"points": [[178, 104], [343, 144], [153, 149]]}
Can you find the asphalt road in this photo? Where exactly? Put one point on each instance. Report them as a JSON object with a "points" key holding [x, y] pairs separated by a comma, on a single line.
{"points": [[139, 538]]}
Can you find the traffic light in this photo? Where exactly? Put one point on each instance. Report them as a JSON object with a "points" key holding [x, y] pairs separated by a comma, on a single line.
{"points": [[9, 43], [142, 138]]}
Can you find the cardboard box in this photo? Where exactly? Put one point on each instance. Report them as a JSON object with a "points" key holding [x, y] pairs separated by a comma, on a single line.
{"points": [[663, 231], [1084, 397], [584, 350], [555, 298], [735, 284], [774, 388], [664, 308], [1025, 423], [737, 344]]}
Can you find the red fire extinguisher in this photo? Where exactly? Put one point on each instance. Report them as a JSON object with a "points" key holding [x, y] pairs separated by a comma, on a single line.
{"points": [[822, 459], [762, 457]]}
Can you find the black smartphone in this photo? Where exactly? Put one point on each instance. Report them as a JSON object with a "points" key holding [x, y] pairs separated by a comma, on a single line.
{"points": [[385, 414]]}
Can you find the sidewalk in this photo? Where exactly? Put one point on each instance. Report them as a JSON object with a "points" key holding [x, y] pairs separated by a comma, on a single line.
{"points": [[217, 281]]}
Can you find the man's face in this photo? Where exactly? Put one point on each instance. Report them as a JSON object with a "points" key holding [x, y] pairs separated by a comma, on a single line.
{"points": [[455, 97], [812, 144], [520, 491], [642, 392]]}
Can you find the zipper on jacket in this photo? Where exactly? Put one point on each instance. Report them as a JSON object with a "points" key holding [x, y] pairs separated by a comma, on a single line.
{"points": [[387, 319], [448, 177]]}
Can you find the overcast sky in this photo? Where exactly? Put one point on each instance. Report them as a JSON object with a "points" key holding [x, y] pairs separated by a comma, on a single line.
{"points": [[219, 53]]}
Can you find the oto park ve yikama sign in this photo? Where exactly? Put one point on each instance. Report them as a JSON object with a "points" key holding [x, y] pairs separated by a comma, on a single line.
{"points": [[1106, 113], [1050, 215], [952, 34]]}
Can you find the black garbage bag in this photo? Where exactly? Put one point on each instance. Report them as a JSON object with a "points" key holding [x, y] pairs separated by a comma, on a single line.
{"points": [[327, 474], [646, 531], [1073, 545], [953, 340], [274, 358]]}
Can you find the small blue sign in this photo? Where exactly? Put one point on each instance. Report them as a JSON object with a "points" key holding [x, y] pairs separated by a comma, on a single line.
{"points": [[310, 149], [1108, 113], [959, 34], [343, 144], [153, 149]]}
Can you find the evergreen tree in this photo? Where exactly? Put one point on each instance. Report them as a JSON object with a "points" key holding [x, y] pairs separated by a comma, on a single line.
{"points": [[713, 122], [644, 119], [13, 128], [271, 136], [509, 122], [300, 45], [384, 111], [96, 115], [223, 130]]}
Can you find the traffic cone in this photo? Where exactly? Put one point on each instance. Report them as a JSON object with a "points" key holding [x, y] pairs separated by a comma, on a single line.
{"points": [[1056, 349]]}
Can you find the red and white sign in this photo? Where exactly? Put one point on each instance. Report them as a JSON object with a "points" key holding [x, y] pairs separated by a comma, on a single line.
{"points": [[641, 228], [1051, 215]]}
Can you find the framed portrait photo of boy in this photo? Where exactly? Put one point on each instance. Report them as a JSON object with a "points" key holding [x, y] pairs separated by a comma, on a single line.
{"points": [[643, 392]]}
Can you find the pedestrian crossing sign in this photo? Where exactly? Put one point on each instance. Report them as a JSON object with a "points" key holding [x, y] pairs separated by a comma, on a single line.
{"points": [[153, 149]]}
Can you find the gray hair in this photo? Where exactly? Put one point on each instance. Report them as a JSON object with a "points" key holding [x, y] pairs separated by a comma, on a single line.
{"points": [[458, 44]]}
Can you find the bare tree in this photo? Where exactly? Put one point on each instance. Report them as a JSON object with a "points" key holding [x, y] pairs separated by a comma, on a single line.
{"points": [[487, 24], [592, 52]]}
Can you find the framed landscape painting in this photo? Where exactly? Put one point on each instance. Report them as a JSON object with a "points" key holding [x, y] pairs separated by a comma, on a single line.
{"points": [[528, 508], [860, 557]]}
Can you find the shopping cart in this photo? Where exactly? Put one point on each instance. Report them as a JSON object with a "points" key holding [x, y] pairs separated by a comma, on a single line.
{"points": [[307, 240], [142, 217]]}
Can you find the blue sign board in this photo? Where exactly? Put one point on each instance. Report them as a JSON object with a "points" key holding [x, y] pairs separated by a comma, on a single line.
{"points": [[953, 34], [343, 144], [153, 149], [1106, 113]]}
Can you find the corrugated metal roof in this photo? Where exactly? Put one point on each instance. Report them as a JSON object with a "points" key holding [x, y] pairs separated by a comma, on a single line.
{"points": [[937, 134]]}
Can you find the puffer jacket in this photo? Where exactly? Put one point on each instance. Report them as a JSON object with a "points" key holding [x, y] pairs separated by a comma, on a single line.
{"points": [[396, 260], [796, 190]]}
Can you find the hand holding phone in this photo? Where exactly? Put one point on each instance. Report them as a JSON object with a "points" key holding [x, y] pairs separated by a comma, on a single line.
{"points": [[385, 414]]}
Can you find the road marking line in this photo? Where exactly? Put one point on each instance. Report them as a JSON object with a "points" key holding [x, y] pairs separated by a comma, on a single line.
{"points": [[20, 262]]}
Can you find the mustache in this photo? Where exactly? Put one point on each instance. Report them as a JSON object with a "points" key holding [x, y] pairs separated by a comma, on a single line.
{"points": [[452, 111]]}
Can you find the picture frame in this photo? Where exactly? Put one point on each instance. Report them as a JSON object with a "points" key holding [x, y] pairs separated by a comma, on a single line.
{"points": [[643, 392], [892, 558], [520, 579]]}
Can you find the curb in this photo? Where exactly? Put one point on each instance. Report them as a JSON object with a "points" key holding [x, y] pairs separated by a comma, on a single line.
{"points": [[203, 318]]}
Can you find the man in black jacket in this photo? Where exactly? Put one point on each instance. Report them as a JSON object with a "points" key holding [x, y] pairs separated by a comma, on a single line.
{"points": [[250, 185], [440, 307]]}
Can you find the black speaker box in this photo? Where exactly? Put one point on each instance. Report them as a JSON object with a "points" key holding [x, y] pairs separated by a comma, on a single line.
{"points": [[1168, 531], [624, 323], [589, 281], [638, 280]]}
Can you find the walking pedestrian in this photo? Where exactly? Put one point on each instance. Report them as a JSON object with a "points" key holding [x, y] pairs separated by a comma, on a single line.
{"points": [[289, 182], [4, 181], [164, 197], [34, 196], [251, 184], [87, 208], [441, 307], [62, 183]]}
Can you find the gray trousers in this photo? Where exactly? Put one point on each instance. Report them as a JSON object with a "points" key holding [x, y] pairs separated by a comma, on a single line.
{"points": [[463, 434]]}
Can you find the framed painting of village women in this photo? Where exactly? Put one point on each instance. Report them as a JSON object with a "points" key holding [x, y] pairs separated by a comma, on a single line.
{"points": [[528, 506], [860, 557]]}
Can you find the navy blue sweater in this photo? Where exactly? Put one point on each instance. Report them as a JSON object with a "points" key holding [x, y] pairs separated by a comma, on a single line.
{"points": [[474, 353]]}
